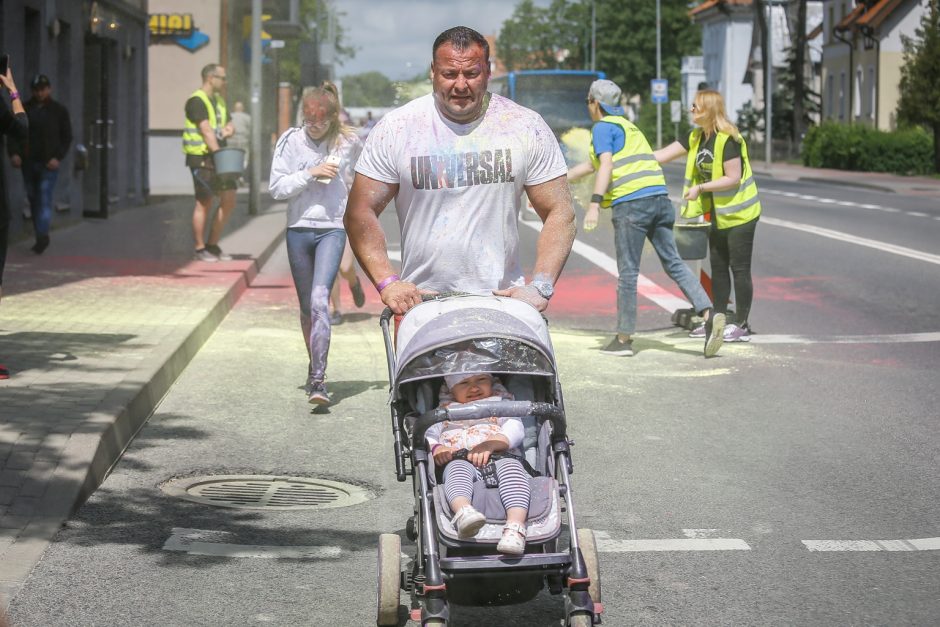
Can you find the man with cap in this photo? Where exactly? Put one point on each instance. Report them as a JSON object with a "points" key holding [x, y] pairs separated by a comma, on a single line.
{"points": [[629, 181], [50, 135]]}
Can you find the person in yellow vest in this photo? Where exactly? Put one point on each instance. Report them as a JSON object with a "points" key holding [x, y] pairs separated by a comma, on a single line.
{"points": [[206, 128], [719, 181], [630, 183]]}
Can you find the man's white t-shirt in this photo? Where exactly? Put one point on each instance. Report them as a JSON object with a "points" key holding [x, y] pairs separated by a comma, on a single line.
{"points": [[461, 187]]}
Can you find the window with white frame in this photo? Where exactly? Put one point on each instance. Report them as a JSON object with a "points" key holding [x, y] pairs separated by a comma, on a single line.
{"points": [[857, 94], [842, 95], [830, 96], [872, 92]]}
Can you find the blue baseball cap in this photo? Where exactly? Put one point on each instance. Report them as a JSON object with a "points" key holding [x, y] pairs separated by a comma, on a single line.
{"points": [[607, 95]]}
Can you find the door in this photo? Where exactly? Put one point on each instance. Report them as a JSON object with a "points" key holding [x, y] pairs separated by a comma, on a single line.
{"points": [[98, 124]]}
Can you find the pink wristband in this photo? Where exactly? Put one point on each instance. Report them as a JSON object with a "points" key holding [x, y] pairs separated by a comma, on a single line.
{"points": [[14, 95], [381, 285]]}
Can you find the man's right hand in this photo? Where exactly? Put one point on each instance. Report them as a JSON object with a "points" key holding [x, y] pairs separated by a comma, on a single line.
{"points": [[400, 296], [15, 161]]}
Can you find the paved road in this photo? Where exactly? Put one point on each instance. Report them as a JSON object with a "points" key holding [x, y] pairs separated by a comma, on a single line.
{"points": [[823, 429]]}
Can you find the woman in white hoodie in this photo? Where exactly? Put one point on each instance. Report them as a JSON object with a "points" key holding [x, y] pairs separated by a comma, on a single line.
{"points": [[310, 169]]}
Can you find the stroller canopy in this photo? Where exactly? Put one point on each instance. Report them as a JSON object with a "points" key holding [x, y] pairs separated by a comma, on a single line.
{"points": [[470, 334]]}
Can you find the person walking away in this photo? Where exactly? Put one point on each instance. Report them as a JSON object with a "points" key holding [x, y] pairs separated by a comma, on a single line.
{"points": [[719, 181], [47, 144], [241, 124], [630, 182], [14, 123], [206, 128], [308, 171], [457, 163]]}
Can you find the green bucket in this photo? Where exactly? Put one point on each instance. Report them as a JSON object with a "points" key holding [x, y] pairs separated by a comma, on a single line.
{"points": [[229, 161]]}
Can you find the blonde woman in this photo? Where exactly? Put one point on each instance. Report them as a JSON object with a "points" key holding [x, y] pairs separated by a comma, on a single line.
{"points": [[718, 181], [310, 168]]}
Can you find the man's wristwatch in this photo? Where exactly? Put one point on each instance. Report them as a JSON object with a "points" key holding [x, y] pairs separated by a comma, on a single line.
{"points": [[544, 288]]}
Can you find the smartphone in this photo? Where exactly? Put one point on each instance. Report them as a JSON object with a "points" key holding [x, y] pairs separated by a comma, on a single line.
{"points": [[4, 64], [334, 160]]}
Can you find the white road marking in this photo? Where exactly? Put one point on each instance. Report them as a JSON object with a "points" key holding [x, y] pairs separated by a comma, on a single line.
{"points": [[917, 214], [201, 542], [853, 239], [607, 545], [917, 544], [895, 338], [846, 203], [644, 286]]}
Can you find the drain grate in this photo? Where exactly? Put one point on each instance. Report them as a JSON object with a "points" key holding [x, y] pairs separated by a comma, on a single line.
{"points": [[266, 492]]}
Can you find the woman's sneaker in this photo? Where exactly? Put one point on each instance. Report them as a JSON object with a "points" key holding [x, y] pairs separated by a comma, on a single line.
{"points": [[513, 540], [468, 522], [317, 394], [734, 333], [218, 252], [698, 332]]}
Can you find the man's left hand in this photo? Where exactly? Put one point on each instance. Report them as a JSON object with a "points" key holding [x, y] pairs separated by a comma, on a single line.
{"points": [[526, 293], [52, 164]]}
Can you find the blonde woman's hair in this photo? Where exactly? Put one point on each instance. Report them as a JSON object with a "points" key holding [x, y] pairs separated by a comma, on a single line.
{"points": [[712, 117], [327, 96]]}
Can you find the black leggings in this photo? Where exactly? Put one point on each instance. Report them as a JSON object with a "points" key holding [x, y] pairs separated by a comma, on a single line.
{"points": [[730, 252], [4, 233]]}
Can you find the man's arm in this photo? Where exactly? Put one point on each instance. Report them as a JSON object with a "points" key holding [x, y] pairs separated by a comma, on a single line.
{"points": [[367, 200], [208, 135], [552, 202]]}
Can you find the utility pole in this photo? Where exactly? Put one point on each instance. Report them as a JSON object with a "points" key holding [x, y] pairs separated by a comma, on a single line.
{"points": [[593, 36], [768, 86], [659, 75], [254, 192]]}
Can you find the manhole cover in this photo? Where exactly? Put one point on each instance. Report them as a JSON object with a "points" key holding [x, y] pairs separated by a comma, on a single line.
{"points": [[266, 492]]}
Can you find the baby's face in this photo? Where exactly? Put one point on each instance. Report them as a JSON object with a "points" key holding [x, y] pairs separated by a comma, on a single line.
{"points": [[473, 389]]}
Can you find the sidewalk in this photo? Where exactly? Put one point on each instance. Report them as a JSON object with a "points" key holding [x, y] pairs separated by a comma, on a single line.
{"points": [[94, 333], [881, 181]]}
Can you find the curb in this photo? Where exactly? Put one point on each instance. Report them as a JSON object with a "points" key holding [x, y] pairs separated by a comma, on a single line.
{"points": [[98, 445]]}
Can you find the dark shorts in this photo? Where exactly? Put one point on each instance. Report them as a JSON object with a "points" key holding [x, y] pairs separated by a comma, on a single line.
{"points": [[207, 183]]}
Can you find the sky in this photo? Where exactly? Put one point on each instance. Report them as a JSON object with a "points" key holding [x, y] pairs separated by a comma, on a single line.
{"points": [[394, 37]]}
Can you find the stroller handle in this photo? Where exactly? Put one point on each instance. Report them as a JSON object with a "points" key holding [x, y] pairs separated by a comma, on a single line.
{"points": [[387, 313], [490, 409]]}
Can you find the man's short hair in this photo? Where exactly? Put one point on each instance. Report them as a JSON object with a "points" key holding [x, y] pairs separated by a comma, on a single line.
{"points": [[461, 38], [208, 71]]}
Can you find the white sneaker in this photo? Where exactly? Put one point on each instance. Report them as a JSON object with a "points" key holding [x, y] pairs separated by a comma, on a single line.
{"points": [[468, 522], [513, 540]]}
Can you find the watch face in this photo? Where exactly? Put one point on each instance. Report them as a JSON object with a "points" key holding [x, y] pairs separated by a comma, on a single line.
{"points": [[545, 289]]}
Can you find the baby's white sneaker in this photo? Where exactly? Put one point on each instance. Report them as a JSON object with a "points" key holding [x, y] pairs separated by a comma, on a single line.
{"points": [[513, 540], [468, 522]]}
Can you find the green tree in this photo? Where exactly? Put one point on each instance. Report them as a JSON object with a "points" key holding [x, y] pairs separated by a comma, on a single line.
{"points": [[919, 101], [369, 89], [533, 37], [322, 26], [626, 42]]}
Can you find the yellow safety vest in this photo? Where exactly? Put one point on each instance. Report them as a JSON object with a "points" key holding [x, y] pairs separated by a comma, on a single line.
{"points": [[635, 167], [193, 142], [732, 207]]}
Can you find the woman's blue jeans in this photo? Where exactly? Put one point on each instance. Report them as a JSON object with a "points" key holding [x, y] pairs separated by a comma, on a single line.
{"points": [[635, 221], [314, 256]]}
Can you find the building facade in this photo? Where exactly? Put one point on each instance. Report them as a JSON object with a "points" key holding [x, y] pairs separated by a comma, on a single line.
{"points": [[862, 59], [95, 55]]}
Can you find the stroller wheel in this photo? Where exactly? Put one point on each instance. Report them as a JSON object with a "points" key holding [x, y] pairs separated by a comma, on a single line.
{"points": [[411, 530], [389, 576], [589, 553]]}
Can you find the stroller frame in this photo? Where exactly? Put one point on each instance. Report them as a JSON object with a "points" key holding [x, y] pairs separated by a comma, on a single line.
{"points": [[565, 571]]}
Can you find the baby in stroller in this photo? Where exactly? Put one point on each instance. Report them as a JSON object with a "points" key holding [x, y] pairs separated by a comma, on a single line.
{"points": [[485, 449]]}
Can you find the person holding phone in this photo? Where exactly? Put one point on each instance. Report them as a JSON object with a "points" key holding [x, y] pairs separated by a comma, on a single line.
{"points": [[39, 157], [15, 124], [310, 170]]}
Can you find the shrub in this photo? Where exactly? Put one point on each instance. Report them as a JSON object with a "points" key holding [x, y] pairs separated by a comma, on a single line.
{"points": [[855, 147]]}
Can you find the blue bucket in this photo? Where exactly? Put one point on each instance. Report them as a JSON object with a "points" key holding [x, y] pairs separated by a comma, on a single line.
{"points": [[229, 161]]}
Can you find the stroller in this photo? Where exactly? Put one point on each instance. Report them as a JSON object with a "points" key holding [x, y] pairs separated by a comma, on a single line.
{"points": [[508, 338]]}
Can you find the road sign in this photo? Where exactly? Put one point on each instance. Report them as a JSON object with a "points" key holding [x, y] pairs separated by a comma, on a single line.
{"points": [[659, 88], [277, 43], [675, 109]]}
